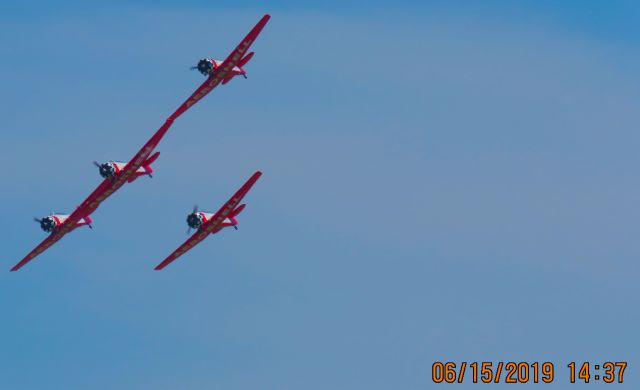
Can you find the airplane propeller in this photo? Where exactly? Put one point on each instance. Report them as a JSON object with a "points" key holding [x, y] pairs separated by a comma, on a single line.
{"points": [[195, 210], [37, 220], [110, 178]]}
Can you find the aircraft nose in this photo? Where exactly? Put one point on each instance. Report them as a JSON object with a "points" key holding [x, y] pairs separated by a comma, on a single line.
{"points": [[106, 170], [47, 224], [204, 66], [193, 221]]}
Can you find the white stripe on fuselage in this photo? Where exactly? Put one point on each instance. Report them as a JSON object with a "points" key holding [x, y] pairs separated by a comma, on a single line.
{"points": [[208, 217], [234, 69], [122, 165], [63, 217]]}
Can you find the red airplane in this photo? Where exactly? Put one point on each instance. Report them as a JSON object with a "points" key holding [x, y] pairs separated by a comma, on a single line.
{"points": [[206, 66], [209, 223], [115, 173]]}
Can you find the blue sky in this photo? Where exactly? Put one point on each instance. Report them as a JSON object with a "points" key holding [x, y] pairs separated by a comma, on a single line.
{"points": [[442, 181]]}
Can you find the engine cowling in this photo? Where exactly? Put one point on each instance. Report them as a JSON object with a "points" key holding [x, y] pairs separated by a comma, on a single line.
{"points": [[48, 224], [107, 170], [195, 220], [206, 66]]}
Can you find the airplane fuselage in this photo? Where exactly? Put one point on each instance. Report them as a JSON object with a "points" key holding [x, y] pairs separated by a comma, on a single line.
{"points": [[53, 222], [111, 169], [208, 66], [198, 219], [120, 166]]}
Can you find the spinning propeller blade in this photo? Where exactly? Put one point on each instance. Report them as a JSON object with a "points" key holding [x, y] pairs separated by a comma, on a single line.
{"points": [[97, 164], [37, 220], [195, 210]]}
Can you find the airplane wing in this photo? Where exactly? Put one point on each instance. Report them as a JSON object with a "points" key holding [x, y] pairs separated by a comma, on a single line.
{"points": [[226, 66], [213, 223], [105, 189], [94, 200], [108, 187], [50, 240]]}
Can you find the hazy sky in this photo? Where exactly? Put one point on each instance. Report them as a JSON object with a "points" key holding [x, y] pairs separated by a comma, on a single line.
{"points": [[442, 181]]}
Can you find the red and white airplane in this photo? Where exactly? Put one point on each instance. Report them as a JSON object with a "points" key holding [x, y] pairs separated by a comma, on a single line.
{"points": [[51, 222], [209, 223], [222, 72], [207, 66], [115, 173], [110, 169]]}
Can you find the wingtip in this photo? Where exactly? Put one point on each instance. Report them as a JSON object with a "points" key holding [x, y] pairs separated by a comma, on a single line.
{"points": [[16, 267], [263, 21], [254, 178]]}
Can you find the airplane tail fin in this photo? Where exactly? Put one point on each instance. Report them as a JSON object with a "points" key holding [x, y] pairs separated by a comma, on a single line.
{"points": [[238, 210], [86, 220], [234, 222], [147, 166], [240, 65]]}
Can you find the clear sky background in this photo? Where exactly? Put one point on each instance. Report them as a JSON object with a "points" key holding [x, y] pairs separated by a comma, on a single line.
{"points": [[442, 181]]}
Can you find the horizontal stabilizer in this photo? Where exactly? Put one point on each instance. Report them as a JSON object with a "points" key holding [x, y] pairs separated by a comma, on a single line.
{"points": [[238, 210], [245, 59], [215, 223], [151, 159]]}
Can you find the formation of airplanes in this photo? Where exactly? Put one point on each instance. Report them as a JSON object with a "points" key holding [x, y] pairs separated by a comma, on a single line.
{"points": [[115, 173]]}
